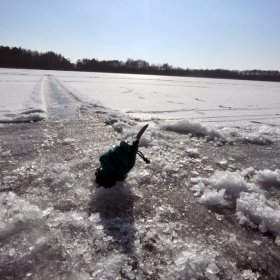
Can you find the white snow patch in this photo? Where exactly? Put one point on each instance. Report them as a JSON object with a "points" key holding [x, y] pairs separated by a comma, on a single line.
{"points": [[253, 135], [68, 141], [267, 178], [255, 208], [232, 182], [199, 188], [195, 129], [256, 139], [193, 152], [248, 274], [22, 101], [246, 189], [213, 197]]}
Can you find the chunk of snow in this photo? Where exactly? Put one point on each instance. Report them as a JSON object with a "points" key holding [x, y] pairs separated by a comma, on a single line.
{"points": [[267, 178], [222, 163], [213, 197], [233, 183], [255, 208], [256, 139], [196, 129], [198, 188], [68, 141], [244, 189], [248, 274], [193, 152], [211, 271], [6, 153]]}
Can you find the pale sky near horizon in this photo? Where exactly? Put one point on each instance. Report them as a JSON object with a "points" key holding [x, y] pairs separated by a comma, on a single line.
{"points": [[229, 34]]}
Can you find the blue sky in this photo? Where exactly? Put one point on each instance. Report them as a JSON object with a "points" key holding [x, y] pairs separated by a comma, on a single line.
{"points": [[230, 34]]}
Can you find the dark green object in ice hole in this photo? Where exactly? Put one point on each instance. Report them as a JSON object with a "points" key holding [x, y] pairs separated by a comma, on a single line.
{"points": [[118, 161]]}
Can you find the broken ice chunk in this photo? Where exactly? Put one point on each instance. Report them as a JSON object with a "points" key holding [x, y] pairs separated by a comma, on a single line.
{"points": [[193, 153], [6, 153], [223, 164], [68, 141], [211, 271]]}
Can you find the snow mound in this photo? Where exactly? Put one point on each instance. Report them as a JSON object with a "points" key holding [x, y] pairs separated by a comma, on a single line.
{"points": [[256, 139], [267, 178], [256, 211], [195, 129], [262, 136], [244, 191]]}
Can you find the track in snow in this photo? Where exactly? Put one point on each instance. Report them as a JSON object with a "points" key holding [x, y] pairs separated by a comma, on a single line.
{"points": [[61, 103]]}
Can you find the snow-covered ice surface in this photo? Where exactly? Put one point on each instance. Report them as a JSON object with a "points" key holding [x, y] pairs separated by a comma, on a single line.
{"points": [[207, 207], [201, 100], [22, 96]]}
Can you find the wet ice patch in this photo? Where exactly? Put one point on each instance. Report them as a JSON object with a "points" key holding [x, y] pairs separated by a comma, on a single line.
{"points": [[182, 259], [193, 265], [16, 214], [56, 184], [109, 267], [114, 201]]}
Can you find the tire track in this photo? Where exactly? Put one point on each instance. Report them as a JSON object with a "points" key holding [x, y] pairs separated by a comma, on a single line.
{"points": [[60, 102]]}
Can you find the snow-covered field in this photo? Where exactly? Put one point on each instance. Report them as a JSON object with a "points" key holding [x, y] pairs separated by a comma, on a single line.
{"points": [[207, 207]]}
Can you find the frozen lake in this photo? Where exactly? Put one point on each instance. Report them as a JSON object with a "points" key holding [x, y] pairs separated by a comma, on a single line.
{"points": [[207, 207], [203, 100], [146, 97]]}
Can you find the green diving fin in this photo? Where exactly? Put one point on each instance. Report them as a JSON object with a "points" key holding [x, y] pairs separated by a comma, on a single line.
{"points": [[118, 161]]}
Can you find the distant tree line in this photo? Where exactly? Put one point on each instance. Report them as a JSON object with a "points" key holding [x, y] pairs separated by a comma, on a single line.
{"points": [[22, 58]]}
